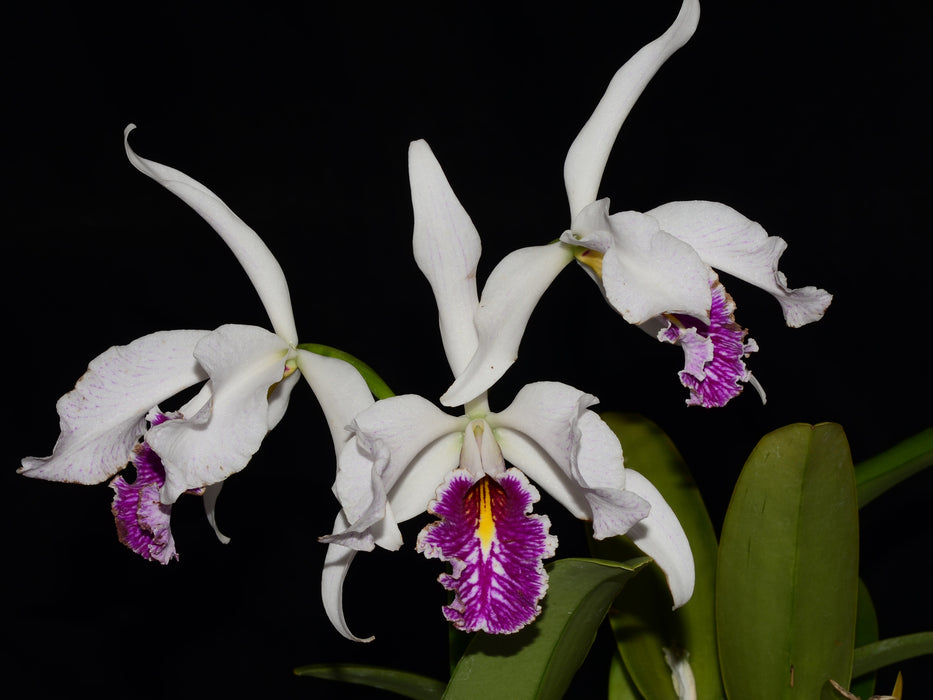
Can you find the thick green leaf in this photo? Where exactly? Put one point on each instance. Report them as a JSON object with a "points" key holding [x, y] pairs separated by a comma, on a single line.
{"points": [[889, 651], [621, 686], [876, 475], [866, 632], [641, 618], [409, 685], [787, 579], [540, 660]]}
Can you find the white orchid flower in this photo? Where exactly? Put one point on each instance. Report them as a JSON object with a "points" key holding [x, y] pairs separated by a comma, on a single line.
{"points": [[247, 374], [654, 268], [406, 456]]}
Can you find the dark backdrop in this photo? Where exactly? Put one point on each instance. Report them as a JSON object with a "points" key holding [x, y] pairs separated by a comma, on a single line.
{"points": [[808, 117]]}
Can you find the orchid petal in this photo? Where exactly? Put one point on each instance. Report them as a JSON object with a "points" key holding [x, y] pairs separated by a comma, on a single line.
{"points": [[336, 565], [403, 426], [341, 392], [243, 363], [104, 415], [714, 366], [662, 537], [362, 493], [143, 522], [278, 399], [447, 249], [645, 271], [253, 255], [730, 242], [211, 493], [586, 159], [523, 452], [387, 439], [410, 494], [494, 545], [582, 446], [509, 296]]}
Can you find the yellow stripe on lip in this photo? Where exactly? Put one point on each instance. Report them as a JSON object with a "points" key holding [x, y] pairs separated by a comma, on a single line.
{"points": [[486, 527]]}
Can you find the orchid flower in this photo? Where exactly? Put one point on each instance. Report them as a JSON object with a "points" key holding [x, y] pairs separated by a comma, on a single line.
{"points": [[654, 268], [407, 456], [246, 374]]}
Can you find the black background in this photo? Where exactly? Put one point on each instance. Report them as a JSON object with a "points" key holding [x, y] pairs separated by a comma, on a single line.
{"points": [[807, 117]]}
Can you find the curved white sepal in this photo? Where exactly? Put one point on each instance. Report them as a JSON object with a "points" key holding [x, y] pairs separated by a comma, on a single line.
{"points": [[447, 249], [253, 255], [340, 390], [509, 296], [662, 537], [104, 415], [586, 159], [733, 243], [336, 565], [211, 494]]}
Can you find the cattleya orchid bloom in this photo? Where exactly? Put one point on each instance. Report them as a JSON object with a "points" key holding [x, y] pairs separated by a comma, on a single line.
{"points": [[406, 456], [655, 268], [247, 374]]}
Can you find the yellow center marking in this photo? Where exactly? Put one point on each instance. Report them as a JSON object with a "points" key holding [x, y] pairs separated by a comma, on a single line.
{"points": [[592, 259], [486, 527]]}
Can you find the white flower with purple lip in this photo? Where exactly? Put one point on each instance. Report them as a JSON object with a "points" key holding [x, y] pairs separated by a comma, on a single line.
{"points": [[655, 268], [247, 374], [406, 456]]}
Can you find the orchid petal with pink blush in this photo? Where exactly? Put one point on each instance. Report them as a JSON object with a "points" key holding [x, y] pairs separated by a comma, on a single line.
{"points": [[247, 374], [104, 416], [654, 267]]}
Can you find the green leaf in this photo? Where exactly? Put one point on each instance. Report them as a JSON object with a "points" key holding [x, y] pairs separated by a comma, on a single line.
{"points": [[787, 579], [889, 651], [410, 685], [866, 632], [540, 660], [621, 686], [641, 618], [876, 475]]}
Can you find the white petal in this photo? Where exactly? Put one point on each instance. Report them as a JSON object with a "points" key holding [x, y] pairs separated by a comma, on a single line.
{"points": [[645, 271], [581, 447], [586, 160], [545, 413], [411, 494], [510, 295], [447, 249], [340, 390], [404, 426], [523, 452], [336, 565], [278, 399], [383, 457], [257, 260], [243, 362], [104, 415], [662, 538], [211, 493], [730, 242]]}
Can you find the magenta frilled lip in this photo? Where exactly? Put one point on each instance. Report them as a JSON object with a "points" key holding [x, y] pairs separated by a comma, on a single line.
{"points": [[143, 521], [714, 367], [495, 546]]}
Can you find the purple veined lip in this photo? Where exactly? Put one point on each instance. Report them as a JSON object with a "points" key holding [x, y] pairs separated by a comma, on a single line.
{"points": [[495, 545]]}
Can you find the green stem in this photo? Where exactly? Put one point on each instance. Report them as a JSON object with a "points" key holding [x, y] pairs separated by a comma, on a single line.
{"points": [[375, 383]]}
